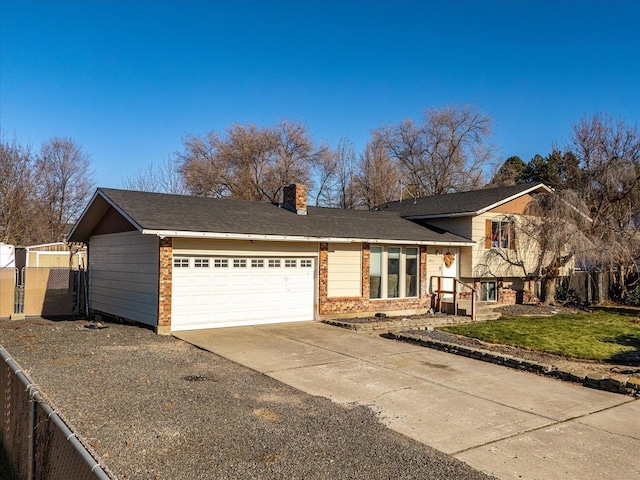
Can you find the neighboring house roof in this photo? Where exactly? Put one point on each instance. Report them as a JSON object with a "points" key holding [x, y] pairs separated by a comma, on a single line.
{"points": [[459, 204], [187, 216]]}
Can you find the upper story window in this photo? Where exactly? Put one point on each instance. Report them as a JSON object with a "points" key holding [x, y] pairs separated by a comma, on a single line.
{"points": [[500, 234], [393, 272]]}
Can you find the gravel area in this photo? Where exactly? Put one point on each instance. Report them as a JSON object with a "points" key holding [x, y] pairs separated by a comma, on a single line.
{"points": [[155, 407]]}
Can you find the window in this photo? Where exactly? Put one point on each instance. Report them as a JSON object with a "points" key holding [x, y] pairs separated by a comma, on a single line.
{"points": [[201, 263], [181, 262], [375, 272], [488, 291], [239, 263], [500, 234], [220, 263], [257, 263], [411, 272], [274, 263], [305, 263], [290, 263], [393, 272]]}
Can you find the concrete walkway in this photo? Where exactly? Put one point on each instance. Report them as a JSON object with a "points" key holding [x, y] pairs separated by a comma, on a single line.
{"points": [[504, 422]]}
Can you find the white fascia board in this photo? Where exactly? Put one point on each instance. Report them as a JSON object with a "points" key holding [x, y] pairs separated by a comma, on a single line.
{"points": [[84, 212], [99, 193], [513, 197], [31, 247], [292, 238]]}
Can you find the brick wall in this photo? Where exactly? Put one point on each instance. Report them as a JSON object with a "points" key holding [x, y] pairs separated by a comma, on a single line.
{"points": [[507, 296], [294, 198], [363, 304], [165, 284]]}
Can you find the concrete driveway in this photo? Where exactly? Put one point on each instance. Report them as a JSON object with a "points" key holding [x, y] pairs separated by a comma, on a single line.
{"points": [[504, 422]]}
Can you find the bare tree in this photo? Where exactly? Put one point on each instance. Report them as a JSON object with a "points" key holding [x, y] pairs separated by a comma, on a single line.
{"points": [[609, 154], [161, 178], [202, 171], [248, 163], [379, 179], [65, 184], [549, 237], [18, 224], [335, 176], [447, 152]]}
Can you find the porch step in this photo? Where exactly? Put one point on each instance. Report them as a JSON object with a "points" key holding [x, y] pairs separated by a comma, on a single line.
{"points": [[484, 311]]}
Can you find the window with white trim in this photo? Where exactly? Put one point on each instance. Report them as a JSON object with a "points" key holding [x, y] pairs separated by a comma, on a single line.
{"points": [[220, 263], [239, 263], [306, 263], [201, 262], [393, 272], [181, 263], [290, 263], [257, 263], [274, 263], [502, 234], [488, 291]]}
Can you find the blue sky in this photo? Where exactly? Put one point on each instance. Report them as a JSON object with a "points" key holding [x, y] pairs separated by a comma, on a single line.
{"points": [[128, 79]]}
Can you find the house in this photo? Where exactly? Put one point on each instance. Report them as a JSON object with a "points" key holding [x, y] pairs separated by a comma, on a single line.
{"points": [[489, 219], [178, 262]]}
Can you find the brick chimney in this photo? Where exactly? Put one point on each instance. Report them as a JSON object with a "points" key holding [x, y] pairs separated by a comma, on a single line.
{"points": [[295, 198]]}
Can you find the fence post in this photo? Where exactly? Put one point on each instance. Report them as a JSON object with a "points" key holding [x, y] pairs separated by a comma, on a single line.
{"points": [[33, 406]]}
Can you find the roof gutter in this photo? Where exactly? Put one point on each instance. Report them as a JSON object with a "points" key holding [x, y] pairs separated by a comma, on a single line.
{"points": [[295, 238]]}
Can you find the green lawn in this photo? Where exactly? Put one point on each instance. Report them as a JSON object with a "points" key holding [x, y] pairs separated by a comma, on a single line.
{"points": [[608, 334]]}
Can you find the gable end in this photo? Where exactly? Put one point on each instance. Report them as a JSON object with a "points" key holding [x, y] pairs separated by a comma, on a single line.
{"points": [[517, 206], [112, 222]]}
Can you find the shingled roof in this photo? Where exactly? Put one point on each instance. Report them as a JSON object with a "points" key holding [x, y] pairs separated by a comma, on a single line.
{"points": [[473, 202], [179, 215]]}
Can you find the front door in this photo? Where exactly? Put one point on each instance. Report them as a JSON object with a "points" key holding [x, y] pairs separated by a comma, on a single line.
{"points": [[449, 269]]}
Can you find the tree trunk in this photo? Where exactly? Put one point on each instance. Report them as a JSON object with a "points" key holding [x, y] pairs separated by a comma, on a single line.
{"points": [[549, 291]]}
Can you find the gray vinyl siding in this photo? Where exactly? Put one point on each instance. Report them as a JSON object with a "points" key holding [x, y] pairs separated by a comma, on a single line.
{"points": [[123, 276]]}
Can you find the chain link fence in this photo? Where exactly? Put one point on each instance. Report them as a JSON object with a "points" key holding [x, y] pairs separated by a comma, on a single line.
{"points": [[37, 442]]}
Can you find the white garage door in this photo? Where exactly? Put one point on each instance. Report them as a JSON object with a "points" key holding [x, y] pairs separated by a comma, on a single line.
{"points": [[231, 291]]}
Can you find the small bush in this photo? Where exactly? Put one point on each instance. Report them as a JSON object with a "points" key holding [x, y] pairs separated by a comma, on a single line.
{"points": [[633, 298], [567, 296]]}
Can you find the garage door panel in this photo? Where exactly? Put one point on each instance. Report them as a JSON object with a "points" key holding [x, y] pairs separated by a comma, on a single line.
{"points": [[242, 293]]}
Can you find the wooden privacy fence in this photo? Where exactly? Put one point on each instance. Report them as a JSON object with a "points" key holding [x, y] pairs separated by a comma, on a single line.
{"points": [[7, 291], [41, 292]]}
